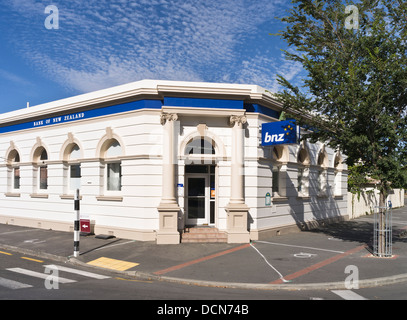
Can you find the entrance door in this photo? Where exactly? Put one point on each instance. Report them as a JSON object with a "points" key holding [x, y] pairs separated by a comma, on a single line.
{"points": [[197, 187]]}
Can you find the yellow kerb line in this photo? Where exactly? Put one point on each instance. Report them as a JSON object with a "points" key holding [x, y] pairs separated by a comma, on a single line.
{"points": [[31, 259], [9, 254]]}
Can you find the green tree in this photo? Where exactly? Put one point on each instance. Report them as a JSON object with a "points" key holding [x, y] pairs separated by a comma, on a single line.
{"points": [[355, 90]]}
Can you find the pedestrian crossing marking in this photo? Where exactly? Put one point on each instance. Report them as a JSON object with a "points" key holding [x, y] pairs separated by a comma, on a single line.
{"points": [[39, 275], [77, 271], [348, 295], [11, 284], [114, 264]]}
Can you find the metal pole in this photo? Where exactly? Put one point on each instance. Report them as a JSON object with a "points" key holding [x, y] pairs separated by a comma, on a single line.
{"points": [[76, 226]]}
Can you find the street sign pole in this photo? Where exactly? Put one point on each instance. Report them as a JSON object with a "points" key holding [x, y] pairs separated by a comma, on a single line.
{"points": [[76, 225]]}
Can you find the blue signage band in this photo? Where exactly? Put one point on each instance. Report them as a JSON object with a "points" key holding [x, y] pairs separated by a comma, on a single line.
{"points": [[141, 104]]}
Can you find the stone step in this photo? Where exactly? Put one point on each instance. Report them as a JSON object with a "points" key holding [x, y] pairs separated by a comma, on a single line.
{"points": [[201, 230], [202, 235]]}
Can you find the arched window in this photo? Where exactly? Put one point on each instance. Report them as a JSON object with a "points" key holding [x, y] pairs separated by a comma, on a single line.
{"points": [[40, 156], [338, 175], [303, 160], [200, 146], [322, 162], [74, 167], [279, 171], [113, 165], [13, 161]]}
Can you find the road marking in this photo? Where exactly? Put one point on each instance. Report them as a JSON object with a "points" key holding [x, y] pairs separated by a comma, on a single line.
{"points": [[13, 284], [189, 263], [304, 255], [269, 264], [19, 231], [348, 295], [112, 264], [320, 264], [76, 271], [9, 254], [40, 275], [303, 247], [34, 241], [31, 259], [334, 239]]}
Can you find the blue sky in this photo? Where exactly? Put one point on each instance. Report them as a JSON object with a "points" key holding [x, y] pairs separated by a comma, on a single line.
{"points": [[103, 43]]}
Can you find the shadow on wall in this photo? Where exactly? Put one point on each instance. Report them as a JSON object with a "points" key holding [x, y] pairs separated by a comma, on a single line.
{"points": [[316, 209]]}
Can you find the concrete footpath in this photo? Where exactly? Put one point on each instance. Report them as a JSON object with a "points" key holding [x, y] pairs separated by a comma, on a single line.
{"points": [[330, 257]]}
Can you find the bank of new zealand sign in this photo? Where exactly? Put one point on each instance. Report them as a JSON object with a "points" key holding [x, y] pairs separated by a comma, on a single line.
{"points": [[280, 132]]}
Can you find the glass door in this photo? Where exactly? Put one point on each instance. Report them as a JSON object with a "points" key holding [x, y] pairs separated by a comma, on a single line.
{"points": [[197, 188]]}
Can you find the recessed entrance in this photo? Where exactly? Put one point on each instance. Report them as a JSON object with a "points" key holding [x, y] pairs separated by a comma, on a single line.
{"points": [[200, 195]]}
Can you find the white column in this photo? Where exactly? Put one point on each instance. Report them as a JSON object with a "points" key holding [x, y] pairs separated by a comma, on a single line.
{"points": [[237, 210], [168, 193], [168, 208], [237, 168]]}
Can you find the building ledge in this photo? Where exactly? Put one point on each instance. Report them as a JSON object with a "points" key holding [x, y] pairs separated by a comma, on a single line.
{"points": [[109, 198], [279, 199], [12, 194], [39, 195], [69, 197]]}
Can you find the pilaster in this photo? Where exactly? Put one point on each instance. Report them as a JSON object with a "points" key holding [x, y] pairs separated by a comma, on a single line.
{"points": [[168, 208], [237, 210]]}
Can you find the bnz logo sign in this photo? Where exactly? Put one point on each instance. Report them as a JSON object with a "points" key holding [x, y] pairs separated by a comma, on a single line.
{"points": [[280, 132]]}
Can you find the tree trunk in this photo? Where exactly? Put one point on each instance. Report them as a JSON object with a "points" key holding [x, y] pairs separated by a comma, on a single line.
{"points": [[381, 238], [383, 224]]}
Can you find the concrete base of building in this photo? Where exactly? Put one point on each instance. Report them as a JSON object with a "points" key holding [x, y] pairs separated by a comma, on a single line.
{"points": [[170, 237], [237, 223], [124, 233], [168, 225]]}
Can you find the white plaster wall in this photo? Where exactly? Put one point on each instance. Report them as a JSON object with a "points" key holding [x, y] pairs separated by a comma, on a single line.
{"points": [[292, 209], [140, 134]]}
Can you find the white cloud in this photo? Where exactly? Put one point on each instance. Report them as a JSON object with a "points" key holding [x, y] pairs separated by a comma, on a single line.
{"points": [[262, 70], [105, 43], [8, 76]]}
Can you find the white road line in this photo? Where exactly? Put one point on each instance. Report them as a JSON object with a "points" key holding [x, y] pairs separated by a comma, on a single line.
{"points": [[11, 284], [291, 245], [348, 295], [40, 275], [269, 264], [76, 271], [19, 231]]}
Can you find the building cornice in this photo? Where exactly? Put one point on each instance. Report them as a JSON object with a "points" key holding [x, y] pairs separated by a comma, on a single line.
{"points": [[153, 89]]}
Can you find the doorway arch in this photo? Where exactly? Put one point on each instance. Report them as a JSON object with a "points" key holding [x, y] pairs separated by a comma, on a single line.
{"points": [[200, 155]]}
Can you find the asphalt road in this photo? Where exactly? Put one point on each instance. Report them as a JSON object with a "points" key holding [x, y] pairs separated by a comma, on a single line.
{"points": [[24, 277]]}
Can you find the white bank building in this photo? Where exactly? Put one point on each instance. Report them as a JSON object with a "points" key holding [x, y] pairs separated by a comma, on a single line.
{"points": [[165, 161]]}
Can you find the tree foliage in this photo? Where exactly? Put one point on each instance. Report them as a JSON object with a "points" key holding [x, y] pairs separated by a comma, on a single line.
{"points": [[355, 91]]}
